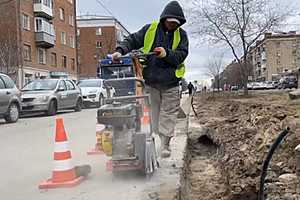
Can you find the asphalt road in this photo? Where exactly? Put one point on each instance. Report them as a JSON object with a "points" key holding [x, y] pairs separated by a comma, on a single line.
{"points": [[26, 159]]}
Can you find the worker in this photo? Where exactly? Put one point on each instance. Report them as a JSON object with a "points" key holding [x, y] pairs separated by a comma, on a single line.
{"points": [[191, 89], [162, 72]]}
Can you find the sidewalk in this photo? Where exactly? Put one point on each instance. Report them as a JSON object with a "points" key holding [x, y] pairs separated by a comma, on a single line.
{"points": [[165, 183]]}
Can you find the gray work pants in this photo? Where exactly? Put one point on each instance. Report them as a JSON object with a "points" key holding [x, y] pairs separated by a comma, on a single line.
{"points": [[165, 105]]}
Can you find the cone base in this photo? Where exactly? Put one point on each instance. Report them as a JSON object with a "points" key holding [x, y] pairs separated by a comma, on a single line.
{"points": [[95, 151], [48, 184]]}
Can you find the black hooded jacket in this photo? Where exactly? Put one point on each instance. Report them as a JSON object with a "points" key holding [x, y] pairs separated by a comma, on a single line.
{"points": [[160, 72]]}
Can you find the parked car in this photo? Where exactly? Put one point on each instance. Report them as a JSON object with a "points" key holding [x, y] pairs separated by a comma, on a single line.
{"points": [[234, 88], [288, 82], [93, 92], [270, 85], [250, 86], [51, 95], [275, 83], [10, 101], [256, 86]]}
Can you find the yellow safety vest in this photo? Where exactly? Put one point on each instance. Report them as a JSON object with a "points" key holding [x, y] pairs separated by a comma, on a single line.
{"points": [[149, 40]]}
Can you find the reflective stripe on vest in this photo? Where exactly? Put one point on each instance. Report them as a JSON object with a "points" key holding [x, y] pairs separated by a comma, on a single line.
{"points": [[149, 40]]}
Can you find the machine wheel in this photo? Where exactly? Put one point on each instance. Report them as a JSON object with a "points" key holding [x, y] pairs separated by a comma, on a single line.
{"points": [[13, 113], [78, 107], [52, 110]]}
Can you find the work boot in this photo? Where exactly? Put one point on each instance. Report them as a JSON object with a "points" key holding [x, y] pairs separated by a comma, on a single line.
{"points": [[165, 153], [165, 144]]}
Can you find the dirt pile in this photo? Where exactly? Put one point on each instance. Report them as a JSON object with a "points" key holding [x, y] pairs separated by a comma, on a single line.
{"points": [[226, 162]]}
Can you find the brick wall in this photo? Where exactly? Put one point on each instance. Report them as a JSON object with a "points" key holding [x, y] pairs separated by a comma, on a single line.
{"points": [[28, 38], [88, 51]]}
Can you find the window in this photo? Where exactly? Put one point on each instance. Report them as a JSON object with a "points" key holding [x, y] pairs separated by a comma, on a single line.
{"points": [[28, 78], [48, 3], [53, 60], [8, 82], [64, 61], [278, 54], [2, 86], [98, 45], [27, 52], [79, 59], [41, 56], [72, 41], [98, 31], [278, 62], [61, 14], [62, 85], [71, 20], [38, 25], [63, 38], [70, 85], [42, 25], [26, 22], [73, 64]]}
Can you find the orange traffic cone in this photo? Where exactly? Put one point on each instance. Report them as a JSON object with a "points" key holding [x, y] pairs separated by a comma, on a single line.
{"points": [[63, 174]]}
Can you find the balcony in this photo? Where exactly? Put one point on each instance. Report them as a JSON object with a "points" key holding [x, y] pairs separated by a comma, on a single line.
{"points": [[43, 8], [44, 33]]}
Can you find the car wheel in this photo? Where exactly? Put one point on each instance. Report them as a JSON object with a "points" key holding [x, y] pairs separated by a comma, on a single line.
{"points": [[78, 107], [13, 113], [52, 108], [101, 101]]}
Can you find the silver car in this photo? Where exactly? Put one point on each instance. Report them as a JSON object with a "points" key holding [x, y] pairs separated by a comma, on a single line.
{"points": [[9, 99], [51, 95], [93, 92]]}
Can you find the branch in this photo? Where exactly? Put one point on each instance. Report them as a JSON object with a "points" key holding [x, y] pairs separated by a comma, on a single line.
{"points": [[224, 35]]}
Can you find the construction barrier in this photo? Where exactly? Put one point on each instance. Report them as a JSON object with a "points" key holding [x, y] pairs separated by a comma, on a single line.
{"points": [[63, 174]]}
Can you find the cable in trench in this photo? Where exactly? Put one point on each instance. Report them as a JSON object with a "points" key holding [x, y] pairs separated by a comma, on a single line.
{"points": [[266, 163]]}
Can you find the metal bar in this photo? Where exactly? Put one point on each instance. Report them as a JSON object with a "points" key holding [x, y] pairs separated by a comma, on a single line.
{"points": [[127, 98]]}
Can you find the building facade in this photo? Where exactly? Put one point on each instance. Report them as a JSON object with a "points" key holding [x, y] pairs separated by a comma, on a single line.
{"points": [[44, 33], [97, 36], [275, 56]]}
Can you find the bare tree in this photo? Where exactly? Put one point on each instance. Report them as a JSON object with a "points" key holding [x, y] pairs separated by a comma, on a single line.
{"points": [[236, 23], [8, 55], [9, 48], [213, 68]]}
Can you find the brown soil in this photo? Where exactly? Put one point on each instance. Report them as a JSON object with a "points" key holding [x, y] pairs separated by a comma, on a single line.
{"points": [[224, 161]]}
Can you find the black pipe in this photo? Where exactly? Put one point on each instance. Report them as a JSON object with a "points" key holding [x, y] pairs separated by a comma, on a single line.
{"points": [[265, 167]]}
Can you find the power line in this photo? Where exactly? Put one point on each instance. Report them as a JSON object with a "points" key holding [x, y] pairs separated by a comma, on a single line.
{"points": [[105, 8]]}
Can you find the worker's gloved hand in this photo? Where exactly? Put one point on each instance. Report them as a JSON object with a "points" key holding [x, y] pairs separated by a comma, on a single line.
{"points": [[116, 56], [160, 52]]}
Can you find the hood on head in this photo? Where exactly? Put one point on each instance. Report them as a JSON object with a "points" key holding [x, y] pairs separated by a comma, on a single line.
{"points": [[173, 10]]}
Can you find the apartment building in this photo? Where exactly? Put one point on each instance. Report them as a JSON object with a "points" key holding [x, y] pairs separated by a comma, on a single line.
{"points": [[275, 55], [43, 33], [97, 36]]}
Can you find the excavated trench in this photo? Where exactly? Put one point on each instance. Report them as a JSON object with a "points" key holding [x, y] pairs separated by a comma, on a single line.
{"points": [[204, 176], [226, 150]]}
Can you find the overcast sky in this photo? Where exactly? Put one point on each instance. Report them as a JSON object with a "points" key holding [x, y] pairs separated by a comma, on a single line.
{"points": [[133, 14]]}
